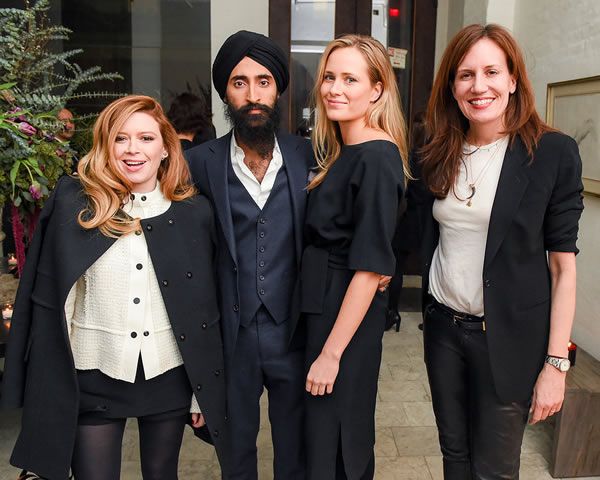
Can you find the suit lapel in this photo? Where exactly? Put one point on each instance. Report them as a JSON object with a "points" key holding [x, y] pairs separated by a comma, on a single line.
{"points": [[216, 169], [297, 177], [511, 187]]}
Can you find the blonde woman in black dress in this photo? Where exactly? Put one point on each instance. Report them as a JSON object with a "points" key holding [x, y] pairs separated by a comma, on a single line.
{"points": [[351, 216]]}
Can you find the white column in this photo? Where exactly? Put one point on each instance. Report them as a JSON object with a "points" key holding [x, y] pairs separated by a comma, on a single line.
{"points": [[226, 18]]}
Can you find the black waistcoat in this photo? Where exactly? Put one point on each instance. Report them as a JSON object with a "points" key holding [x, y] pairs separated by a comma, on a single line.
{"points": [[265, 248]]}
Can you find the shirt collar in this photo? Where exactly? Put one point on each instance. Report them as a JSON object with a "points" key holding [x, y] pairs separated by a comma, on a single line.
{"points": [[146, 200]]}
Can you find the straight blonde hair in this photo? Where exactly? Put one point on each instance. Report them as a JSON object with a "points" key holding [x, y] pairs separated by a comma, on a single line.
{"points": [[106, 188], [384, 114]]}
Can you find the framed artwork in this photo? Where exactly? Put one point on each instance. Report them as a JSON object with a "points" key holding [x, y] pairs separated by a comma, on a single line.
{"points": [[573, 107]]}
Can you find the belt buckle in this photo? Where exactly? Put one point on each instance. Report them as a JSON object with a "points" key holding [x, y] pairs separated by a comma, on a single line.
{"points": [[457, 318]]}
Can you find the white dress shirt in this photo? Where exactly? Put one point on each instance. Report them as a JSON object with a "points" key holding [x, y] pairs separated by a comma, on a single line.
{"points": [[259, 191]]}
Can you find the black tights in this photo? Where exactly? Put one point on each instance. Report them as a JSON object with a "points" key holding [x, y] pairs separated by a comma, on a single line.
{"points": [[97, 453]]}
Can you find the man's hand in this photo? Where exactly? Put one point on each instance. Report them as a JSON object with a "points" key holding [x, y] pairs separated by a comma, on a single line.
{"points": [[384, 283], [548, 394]]}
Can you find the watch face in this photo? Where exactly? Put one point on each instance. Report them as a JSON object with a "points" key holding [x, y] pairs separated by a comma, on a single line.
{"points": [[564, 365]]}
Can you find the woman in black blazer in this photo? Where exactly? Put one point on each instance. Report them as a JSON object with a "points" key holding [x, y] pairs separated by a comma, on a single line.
{"points": [[499, 247], [116, 314]]}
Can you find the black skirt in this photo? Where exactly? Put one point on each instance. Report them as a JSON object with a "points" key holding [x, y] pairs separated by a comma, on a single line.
{"points": [[103, 398]]}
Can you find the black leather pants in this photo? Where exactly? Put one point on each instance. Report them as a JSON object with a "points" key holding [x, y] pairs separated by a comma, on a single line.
{"points": [[480, 436]]}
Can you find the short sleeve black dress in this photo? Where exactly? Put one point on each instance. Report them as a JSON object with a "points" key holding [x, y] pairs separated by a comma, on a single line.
{"points": [[350, 222]]}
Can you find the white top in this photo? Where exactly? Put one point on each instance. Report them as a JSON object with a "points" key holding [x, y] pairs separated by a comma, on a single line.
{"points": [[259, 191], [456, 274], [115, 311]]}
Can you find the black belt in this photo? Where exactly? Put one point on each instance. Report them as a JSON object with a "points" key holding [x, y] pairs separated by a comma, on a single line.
{"points": [[460, 319]]}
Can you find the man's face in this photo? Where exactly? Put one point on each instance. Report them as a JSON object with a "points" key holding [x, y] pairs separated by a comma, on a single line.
{"points": [[251, 106], [251, 84], [66, 117]]}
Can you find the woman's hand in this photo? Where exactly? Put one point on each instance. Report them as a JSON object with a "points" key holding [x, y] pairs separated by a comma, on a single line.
{"points": [[384, 282], [198, 420], [322, 374], [548, 394]]}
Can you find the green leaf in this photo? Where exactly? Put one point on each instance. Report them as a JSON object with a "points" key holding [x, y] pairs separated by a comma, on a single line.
{"points": [[13, 172]]}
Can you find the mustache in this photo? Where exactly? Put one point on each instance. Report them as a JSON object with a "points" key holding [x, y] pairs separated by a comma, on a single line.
{"points": [[246, 109]]}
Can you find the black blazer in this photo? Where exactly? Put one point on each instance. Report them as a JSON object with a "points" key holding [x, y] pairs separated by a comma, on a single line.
{"points": [[40, 375], [536, 210], [208, 164]]}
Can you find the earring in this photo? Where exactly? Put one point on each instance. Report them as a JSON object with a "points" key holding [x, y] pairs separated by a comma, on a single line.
{"points": [[164, 155]]}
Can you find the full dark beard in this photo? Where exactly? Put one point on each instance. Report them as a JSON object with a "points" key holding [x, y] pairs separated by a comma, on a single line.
{"points": [[256, 131]]}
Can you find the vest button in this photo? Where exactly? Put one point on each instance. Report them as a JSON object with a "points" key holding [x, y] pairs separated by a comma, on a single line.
{"points": [[236, 307], [171, 221], [261, 249], [262, 220], [165, 283], [133, 334], [143, 198], [136, 300], [139, 266], [261, 277], [198, 387], [204, 325], [217, 373], [132, 196], [188, 274], [146, 333], [261, 263], [262, 291], [149, 227], [487, 283], [182, 337], [262, 235], [234, 269], [138, 232]]}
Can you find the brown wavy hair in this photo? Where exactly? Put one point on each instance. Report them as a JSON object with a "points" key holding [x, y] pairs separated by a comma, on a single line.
{"points": [[384, 114], [106, 188], [446, 125]]}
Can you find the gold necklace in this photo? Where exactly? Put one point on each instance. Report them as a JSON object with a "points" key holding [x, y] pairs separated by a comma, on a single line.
{"points": [[472, 185]]}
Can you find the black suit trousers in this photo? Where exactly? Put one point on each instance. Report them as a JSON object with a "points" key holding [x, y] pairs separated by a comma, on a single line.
{"points": [[262, 359], [480, 436]]}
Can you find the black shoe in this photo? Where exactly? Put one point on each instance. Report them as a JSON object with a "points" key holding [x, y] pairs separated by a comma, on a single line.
{"points": [[393, 318]]}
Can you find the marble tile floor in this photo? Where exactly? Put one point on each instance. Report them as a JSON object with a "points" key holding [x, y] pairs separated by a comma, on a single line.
{"points": [[406, 448]]}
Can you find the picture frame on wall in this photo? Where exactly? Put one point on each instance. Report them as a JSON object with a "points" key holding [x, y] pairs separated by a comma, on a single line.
{"points": [[573, 107]]}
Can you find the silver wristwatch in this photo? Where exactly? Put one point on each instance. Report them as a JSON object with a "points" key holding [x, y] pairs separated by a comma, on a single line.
{"points": [[562, 364]]}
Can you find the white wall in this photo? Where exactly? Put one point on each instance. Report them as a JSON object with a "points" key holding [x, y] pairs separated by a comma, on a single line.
{"points": [[227, 17], [561, 41]]}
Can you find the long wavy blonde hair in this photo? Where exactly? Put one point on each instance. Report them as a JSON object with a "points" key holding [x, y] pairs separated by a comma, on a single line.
{"points": [[106, 188], [383, 114]]}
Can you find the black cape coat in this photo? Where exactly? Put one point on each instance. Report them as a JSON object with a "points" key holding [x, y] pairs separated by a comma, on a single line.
{"points": [[39, 372]]}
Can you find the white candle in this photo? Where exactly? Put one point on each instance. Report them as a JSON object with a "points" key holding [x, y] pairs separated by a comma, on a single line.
{"points": [[12, 260], [7, 311]]}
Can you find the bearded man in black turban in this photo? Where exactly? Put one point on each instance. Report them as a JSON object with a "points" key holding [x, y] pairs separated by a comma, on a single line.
{"points": [[255, 178]]}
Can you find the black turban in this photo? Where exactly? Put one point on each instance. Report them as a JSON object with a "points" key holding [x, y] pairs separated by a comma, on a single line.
{"points": [[259, 48]]}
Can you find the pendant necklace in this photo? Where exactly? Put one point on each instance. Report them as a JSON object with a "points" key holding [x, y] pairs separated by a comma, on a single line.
{"points": [[473, 183]]}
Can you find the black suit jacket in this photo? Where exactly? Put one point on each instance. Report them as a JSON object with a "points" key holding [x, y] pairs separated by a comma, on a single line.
{"points": [[208, 164], [40, 374], [536, 210]]}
